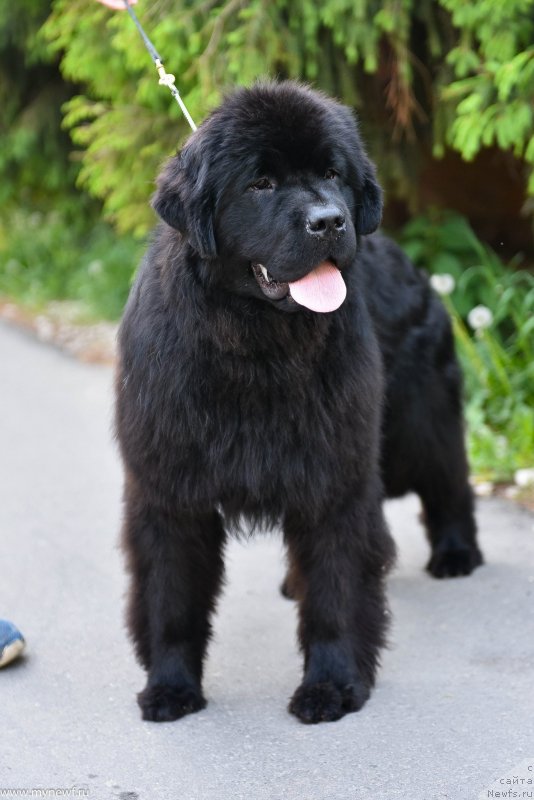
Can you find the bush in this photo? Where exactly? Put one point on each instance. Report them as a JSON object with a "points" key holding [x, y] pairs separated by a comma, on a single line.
{"points": [[52, 242], [493, 314], [424, 76], [50, 256]]}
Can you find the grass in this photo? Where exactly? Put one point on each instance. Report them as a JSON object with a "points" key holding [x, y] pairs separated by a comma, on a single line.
{"points": [[498, 357], [49, 256]]}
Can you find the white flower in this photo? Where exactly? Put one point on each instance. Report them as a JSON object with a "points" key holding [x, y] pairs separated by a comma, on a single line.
{"points": [[442, 284], [480, 317], [524, 477]]}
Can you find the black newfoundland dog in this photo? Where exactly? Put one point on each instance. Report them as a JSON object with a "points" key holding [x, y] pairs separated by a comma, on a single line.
{"points": [[277, 366]]}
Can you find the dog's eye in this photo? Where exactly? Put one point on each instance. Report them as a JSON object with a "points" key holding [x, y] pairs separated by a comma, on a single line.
{"points": [[261, 184], [331, 173]]}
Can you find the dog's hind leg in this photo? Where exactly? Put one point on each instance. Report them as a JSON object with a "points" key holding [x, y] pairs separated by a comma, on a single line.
{"points": [[340, 564], [424, 452], [176, 567], [448, 514]]}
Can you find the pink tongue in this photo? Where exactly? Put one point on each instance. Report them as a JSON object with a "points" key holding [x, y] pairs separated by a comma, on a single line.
{"points": [[322, 289]]}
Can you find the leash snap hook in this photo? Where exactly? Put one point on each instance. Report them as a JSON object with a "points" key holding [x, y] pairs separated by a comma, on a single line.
{"points": [[165, 78]]}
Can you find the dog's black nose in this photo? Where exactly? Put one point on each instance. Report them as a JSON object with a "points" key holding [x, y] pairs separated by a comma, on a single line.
{"points": [[325, 221]]}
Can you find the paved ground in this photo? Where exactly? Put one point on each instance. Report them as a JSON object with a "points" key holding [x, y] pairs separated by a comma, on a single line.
{"points": [[453, 710]]}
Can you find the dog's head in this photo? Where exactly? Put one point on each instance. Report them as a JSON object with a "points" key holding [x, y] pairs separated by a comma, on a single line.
{"points": [[273, 190]]}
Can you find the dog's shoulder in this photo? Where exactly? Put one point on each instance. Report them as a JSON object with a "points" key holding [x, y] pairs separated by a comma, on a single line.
{"points": [[396, 291], [401, 302]]}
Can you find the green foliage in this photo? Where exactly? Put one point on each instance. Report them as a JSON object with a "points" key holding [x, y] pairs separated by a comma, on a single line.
{"points": [[56, 256], [123, 116], [444, 72], [491, 100], [34, 163], [499, 369], [52, 244], [498, 361]]}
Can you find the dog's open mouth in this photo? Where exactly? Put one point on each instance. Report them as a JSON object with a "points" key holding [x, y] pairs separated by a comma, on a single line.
{"points": [[274, 290], [322, 289]]}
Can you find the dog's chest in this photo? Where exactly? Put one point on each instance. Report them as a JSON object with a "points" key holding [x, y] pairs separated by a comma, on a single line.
{"points": [[253, 429], [268, 430]]}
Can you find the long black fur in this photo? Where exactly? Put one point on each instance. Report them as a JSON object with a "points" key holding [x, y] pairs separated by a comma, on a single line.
{"points": [[232, 405]]}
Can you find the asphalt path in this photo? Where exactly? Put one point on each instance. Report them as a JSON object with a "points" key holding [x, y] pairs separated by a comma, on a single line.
{"points": [[452, 715]]}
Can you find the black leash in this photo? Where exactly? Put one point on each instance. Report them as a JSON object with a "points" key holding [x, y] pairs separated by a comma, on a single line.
{"points": [[165, 78]]}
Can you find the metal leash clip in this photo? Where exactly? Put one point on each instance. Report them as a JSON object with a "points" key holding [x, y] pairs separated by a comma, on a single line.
{"points": [[165, 78]]}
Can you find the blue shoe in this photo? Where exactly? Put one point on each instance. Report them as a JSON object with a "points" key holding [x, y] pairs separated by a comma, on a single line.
{"points": [[11, 642]]}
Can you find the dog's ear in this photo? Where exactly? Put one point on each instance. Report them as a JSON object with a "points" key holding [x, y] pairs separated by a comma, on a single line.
{"points": [[183, 198], [370, 202]]}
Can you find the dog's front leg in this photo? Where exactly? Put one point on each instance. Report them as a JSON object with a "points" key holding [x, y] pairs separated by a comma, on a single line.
{"points": [[175, 562], [341, 563]]}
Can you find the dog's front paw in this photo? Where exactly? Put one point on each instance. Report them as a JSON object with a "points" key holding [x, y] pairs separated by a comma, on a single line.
{"points": [[162, 703], [326, 702], [451, 560]]}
